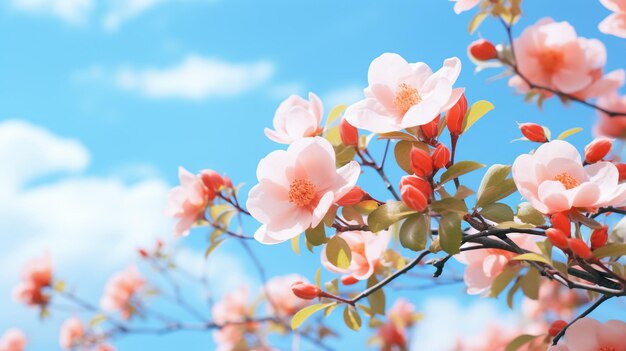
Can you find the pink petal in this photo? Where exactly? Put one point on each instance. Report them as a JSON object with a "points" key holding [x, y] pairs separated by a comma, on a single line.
{"points": [[556, 148], [370, 115], [388, 69], [347, 178], [553, 194], [585, 195], [322, 208], [581, 336]]}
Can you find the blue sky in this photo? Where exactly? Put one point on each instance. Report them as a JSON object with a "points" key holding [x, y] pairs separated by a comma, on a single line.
{"points": [[135, 90]]}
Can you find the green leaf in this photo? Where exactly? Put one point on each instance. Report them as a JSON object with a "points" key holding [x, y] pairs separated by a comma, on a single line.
{"points": [[351, 318], [388, 214], [334, 114], [496, 192], [318, 278], [306, 312], [476, 21], [610, 250], [531, 257], [316, 236], [458, 169], [397, 136], [414, 232], [569, 133], [503, 280], [377, 298], [338, 252], [497, 212], [463, 192], [476, 112], [449, 205], [96, 320], [295, 244], [511, 294], [212, 246], [332, 286], [527, 214], [495, 175], [450, 233], [530, 284], [511, 224], [343, 154], [519, 341]]}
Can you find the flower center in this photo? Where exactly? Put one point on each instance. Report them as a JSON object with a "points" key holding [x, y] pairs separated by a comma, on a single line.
{"points": [[406, 97], [301, 192], [567, 180], [551, 61]]}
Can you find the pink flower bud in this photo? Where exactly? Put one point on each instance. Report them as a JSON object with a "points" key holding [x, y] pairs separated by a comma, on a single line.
{"points": [[597, 149], [533, 132], [430, 129], [415, 192], [579, 248], [456, 116], [421, 163], [348, 133], [483, 50], [599, 237], [227, 182], [441, 156], [557, 238], [305, 290], [353, 197], [561, 221], [143, 253]]}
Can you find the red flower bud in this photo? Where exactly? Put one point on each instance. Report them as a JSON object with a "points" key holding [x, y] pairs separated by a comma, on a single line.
{"points": [[421, 163], [415, 192], [557, 238], [533, 132], [212, 180], [430, 129], [353, 197], [483, 50], [561, 221], [227, 182], [349, 134], [348, 280], [305, 290], [599, 237], [597, 149], [556, 327], [441, 156], [579, 248], [621, 168], [456, 116], [143, 253]]}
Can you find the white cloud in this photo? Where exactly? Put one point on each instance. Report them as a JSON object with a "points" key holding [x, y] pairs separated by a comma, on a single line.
{"points": [[346, 95], [195, 78], [122, 10], [72, 11]]}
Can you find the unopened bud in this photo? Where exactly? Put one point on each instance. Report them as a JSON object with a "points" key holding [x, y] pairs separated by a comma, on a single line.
{"points": [[483, 50], [441, 156], [353, 197], [348, 133], [143, 253], [621, 168], [533, 132], [557, 238], [348, 280], [599, 237], [579, 248], [556, 327], [597, 149], [227, 182], [430, 129], [561, 221], [415, 192], [212, 180], [456, 116], [421, 163], [305, 290]]}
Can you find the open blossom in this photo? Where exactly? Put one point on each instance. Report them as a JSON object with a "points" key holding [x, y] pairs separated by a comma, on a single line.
{"points": [[613, 127], [550, 54], [13, 340], [553, 179], [615, 23], [188, 201], [228, 337], [297, 187], [72, 333], [402, 95], [483, 266], [282, 297], [233, 307], [120, 290], [367, 250], [36, 275], [296, 118], [402, 313], [464, 5], [554, 299], [587, 334]]}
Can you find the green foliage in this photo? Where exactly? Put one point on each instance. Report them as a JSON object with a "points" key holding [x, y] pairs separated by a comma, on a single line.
{"points": [[388, 214]]}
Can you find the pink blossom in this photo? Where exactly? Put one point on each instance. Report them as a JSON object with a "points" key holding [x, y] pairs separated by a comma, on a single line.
{"points": [[587, 334], [282, 297], [228, 337], [550, 54], [120, 290], [615, 23], [367, 250], [233, 307], [36, 275], [555, 299], [613, 127], [296, 118], [553, 179], [188, 201], [402, 313], [297, 187], [464, 5], [72, 333], [392, 336], [13, 340], [105, 347], [484, 265], [495, 338], [402, 95]]}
